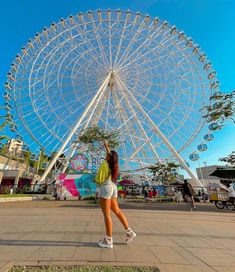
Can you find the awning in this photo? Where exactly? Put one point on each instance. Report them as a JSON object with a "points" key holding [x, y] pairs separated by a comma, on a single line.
{"points": [[224, 172], [127, 182]]}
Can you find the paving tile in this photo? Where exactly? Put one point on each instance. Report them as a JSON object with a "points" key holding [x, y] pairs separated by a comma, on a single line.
{"points": [[224, 268], [67, 233], [46, 253], [5, 266], [191, 241], [16, 253], [71, 237], [132, 253], [186, 268], [89, 254], [214, 257], [187, 255], [153, 240], [222, 243], [168, 255], [108, 256], [2, 264]]}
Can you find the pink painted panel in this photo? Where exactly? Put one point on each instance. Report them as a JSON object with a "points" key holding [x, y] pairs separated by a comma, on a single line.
{"points": [[70, 186], [62, 176]]}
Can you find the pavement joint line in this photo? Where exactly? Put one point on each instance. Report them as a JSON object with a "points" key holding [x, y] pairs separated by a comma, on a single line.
{"points": [[120, 232], [191, 253], [6, 267], [149, 247], [185, 248], [38, 262]]}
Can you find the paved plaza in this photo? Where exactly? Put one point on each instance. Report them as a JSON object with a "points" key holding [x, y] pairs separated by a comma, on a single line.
{"points": [[168, 236]]}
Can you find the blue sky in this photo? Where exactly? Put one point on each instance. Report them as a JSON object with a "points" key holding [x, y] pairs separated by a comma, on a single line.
{"points": [[209, 22]]}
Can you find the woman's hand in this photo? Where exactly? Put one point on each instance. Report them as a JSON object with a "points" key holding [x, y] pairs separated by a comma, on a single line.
{"points": [[106, 144]]}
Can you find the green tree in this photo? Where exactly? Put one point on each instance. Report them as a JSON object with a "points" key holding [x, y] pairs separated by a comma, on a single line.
{"points": [[222, 108], [164, 173], [93, 137], [3, 137], [230, 159]]}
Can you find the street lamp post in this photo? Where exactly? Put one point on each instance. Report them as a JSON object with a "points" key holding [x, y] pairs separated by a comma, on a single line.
{"points": [[200, 169], [207, 177]]}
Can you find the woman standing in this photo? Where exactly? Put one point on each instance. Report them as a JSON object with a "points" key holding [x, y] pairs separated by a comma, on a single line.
{"points": [[106, 179]]}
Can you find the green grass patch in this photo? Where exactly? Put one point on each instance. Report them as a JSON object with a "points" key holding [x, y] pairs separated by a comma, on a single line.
{"points": [[85, 268], [15, 195]]}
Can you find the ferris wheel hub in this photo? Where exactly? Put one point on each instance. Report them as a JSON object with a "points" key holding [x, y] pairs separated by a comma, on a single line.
{"points": [[111, 83]]}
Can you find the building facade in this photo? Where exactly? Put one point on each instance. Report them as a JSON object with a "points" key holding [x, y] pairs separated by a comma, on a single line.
{"points": [[203, 174], [15, 173]]}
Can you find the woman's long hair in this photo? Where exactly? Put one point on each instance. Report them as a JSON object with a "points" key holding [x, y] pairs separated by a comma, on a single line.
{"points": [[113, 164]]}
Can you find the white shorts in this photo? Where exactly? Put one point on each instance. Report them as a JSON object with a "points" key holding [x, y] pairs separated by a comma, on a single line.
{"points": [[108, 190]]}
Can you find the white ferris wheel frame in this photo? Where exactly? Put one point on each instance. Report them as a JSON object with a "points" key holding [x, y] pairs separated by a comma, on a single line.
{"points": [[116, 67]]}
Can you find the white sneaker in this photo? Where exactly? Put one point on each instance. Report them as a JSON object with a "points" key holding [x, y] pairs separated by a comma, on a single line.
{"points": [[106, 242], [130, 236]]}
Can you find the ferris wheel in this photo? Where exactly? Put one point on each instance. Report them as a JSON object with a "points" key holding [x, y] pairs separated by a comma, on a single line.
{"points": [[116, 69]]}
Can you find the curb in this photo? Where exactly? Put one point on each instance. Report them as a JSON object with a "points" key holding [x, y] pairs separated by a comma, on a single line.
{"points": [[15, 199]]}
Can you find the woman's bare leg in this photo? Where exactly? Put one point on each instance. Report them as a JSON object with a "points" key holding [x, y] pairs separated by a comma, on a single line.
{"points": [[105, 205], [116, 210]]}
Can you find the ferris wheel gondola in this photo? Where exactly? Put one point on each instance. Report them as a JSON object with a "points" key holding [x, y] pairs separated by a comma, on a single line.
{"points": [[209, 137]]}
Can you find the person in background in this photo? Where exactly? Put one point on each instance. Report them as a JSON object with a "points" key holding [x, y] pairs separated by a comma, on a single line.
{"points": [[154, 192], [187, 191], [150, 193], [106, 179], [145, 194], [231, 192], [178, 196]]}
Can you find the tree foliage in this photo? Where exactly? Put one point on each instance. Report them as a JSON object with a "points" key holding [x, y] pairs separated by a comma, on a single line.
{"points": [[3, 138], [164, 173], [230, 159], [93, 138], [221, 109]]}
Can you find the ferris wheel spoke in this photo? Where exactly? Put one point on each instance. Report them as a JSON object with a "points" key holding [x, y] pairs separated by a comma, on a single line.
{"points": [[110, 44], [140, 47], [139, 56], [136, 118], [130, 44], [170, 101], [171, 148], [123, 117], [100, 109], [120, 42], [101, 48]]}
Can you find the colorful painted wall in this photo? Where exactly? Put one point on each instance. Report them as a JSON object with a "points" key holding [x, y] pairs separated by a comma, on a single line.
{"points": [[76, 185]]}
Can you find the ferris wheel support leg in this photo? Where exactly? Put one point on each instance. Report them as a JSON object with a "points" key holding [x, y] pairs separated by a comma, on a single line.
{"points": [[69, 156], [101, 89], [86, 125], [122, 114], [160, 134], [139, 124]]}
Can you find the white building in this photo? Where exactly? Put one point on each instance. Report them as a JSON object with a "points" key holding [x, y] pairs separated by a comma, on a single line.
{"points": [[15, 146], [203, 174]]}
